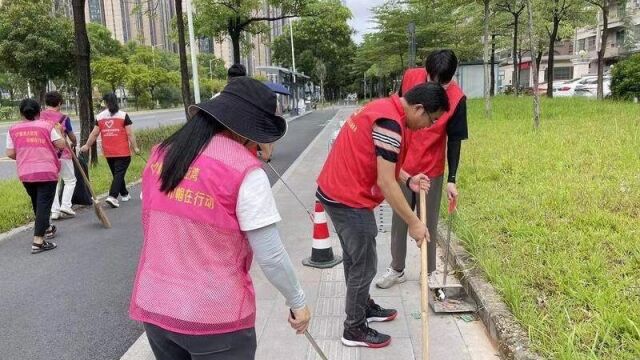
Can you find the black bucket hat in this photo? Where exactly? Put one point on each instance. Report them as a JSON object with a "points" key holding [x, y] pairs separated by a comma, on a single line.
{"points": [[247, 107]]}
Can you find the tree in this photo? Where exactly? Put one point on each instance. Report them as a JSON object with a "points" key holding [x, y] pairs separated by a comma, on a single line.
{"points": [[112, 71], [485, 43], [187, 100], [33, 44], [515, 9], [534, 46], [321, 73], [102, 42], [326, 38], [214, 66], [220, 18], [603, 6]]}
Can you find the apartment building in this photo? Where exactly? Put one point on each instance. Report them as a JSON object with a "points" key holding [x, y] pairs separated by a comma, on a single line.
{"points": [[623, 38]]}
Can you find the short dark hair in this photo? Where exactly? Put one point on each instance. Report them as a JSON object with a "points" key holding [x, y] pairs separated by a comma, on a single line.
{"points": [[236, 70], [431, 96], [53, 99], [441, 65], [29, 109]]}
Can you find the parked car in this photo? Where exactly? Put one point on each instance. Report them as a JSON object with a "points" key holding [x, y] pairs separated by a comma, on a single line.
{"points": [[584, 86], [542, 88]]}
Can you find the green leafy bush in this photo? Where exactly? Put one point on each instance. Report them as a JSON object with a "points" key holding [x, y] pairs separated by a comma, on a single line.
{"points": [[625, 78]]}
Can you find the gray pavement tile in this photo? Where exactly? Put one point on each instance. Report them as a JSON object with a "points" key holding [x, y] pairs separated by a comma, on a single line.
{"points": [[400, 348], [334, 350]]}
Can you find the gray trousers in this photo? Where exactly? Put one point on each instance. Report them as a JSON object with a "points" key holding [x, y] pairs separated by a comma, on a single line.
{"points": [[168, 345], [357, 231], [399, 227]]}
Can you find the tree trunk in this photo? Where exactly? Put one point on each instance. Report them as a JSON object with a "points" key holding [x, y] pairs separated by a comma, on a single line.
{"points": [[492, 92], [182, 50], [551, 56], [534, 65], [516, 68], [83, 66], [235, 41], [485, 41], [603, 48]]}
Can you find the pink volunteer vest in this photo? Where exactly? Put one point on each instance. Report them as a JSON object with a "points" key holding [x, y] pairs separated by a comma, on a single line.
{"points": [[193, 276], [36, 157], [56, 117]]}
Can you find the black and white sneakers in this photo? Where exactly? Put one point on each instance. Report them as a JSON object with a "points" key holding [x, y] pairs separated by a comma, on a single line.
{"points": [[376, 313], [365, 336]]}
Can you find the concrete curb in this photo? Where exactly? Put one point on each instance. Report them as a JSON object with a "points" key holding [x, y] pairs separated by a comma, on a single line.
{"points": [[500, 323]]}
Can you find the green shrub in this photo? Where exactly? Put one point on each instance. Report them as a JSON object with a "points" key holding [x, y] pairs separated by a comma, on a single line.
{"points": [[7, 113], [625, 78]]}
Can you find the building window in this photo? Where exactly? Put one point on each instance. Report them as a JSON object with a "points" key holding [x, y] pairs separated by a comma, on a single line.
{"points": [[581, 44], [620, 38], [563, 73], [95, 11], [591, 43]]}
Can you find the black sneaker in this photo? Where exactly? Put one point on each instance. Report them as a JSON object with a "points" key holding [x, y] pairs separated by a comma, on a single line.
{"points": [[365, 336], [50, 233], [375, 313], [45, 246]]}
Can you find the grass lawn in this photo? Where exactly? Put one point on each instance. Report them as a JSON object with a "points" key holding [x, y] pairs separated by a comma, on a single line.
{"points": [[15, 208], [553, 218]]}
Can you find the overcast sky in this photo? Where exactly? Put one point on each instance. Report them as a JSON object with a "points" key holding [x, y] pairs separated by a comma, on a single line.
{"points": [[361, 15]]}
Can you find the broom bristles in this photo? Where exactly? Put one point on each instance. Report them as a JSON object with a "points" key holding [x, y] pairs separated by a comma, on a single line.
{"points": [[101, 214]]}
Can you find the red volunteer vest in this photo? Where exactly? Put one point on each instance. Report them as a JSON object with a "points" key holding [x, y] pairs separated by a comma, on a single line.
{"points": [[115, 142], [36, 157], [350, 173], [428, 145]]}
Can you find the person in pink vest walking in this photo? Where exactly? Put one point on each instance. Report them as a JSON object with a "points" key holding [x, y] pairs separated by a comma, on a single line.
{"points": [[207, 211], [116, 130], [35, 144], [53, 101]]}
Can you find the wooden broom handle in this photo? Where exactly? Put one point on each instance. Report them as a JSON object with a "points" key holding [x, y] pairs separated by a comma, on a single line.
{"points": [[424, 280]]}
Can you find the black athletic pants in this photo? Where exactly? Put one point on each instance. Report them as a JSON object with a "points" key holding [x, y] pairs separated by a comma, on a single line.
{"points": [[41, 194], [168, 345], [118, 167]]}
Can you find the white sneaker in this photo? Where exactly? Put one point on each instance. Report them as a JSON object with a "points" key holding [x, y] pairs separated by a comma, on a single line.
{"points": [[113, 202], [390, 278], [55, 216], [126, 198], [68, 211]]}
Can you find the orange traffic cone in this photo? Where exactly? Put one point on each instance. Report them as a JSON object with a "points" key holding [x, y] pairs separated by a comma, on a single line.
{"points": [[321, 252]]}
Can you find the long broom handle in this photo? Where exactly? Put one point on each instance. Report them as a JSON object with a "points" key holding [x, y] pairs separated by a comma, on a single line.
{"points": [[79, 166], [424, 280]]}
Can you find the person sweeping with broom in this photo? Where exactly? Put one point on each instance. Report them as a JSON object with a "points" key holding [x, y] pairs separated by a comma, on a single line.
{"points": [[207, 211], [361, 171], [116, 130], [35, 144]]}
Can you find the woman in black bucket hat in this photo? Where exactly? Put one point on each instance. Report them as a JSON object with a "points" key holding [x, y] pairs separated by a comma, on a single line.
{"points": [[207, 210]]}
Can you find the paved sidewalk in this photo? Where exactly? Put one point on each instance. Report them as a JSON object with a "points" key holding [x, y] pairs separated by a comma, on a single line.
{"points": [[451, 337]]}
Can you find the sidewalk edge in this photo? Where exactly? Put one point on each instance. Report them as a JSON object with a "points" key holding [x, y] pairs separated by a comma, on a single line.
{"points": [[501, 325]]}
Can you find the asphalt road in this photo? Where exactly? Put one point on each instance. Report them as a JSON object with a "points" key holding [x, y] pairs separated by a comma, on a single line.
{"points": [[72, 302], [140, 121]]}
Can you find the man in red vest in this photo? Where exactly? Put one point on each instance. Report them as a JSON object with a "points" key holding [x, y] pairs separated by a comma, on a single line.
{"points": [[427, 155], [362, 170]]}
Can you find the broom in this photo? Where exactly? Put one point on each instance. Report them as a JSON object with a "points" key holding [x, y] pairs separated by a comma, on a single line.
{"points": [[100, 214], [424, 280]]}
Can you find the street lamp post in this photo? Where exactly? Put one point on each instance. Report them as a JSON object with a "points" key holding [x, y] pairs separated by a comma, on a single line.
{"points": [[194, 59], [210, 70], [293, 62]]}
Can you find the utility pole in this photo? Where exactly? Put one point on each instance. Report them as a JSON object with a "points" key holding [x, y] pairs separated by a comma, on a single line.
{"points": [[194, 59], [293, 62]]}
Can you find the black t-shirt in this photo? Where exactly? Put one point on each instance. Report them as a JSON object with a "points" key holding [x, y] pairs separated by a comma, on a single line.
{"points": [[457, 129]]}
